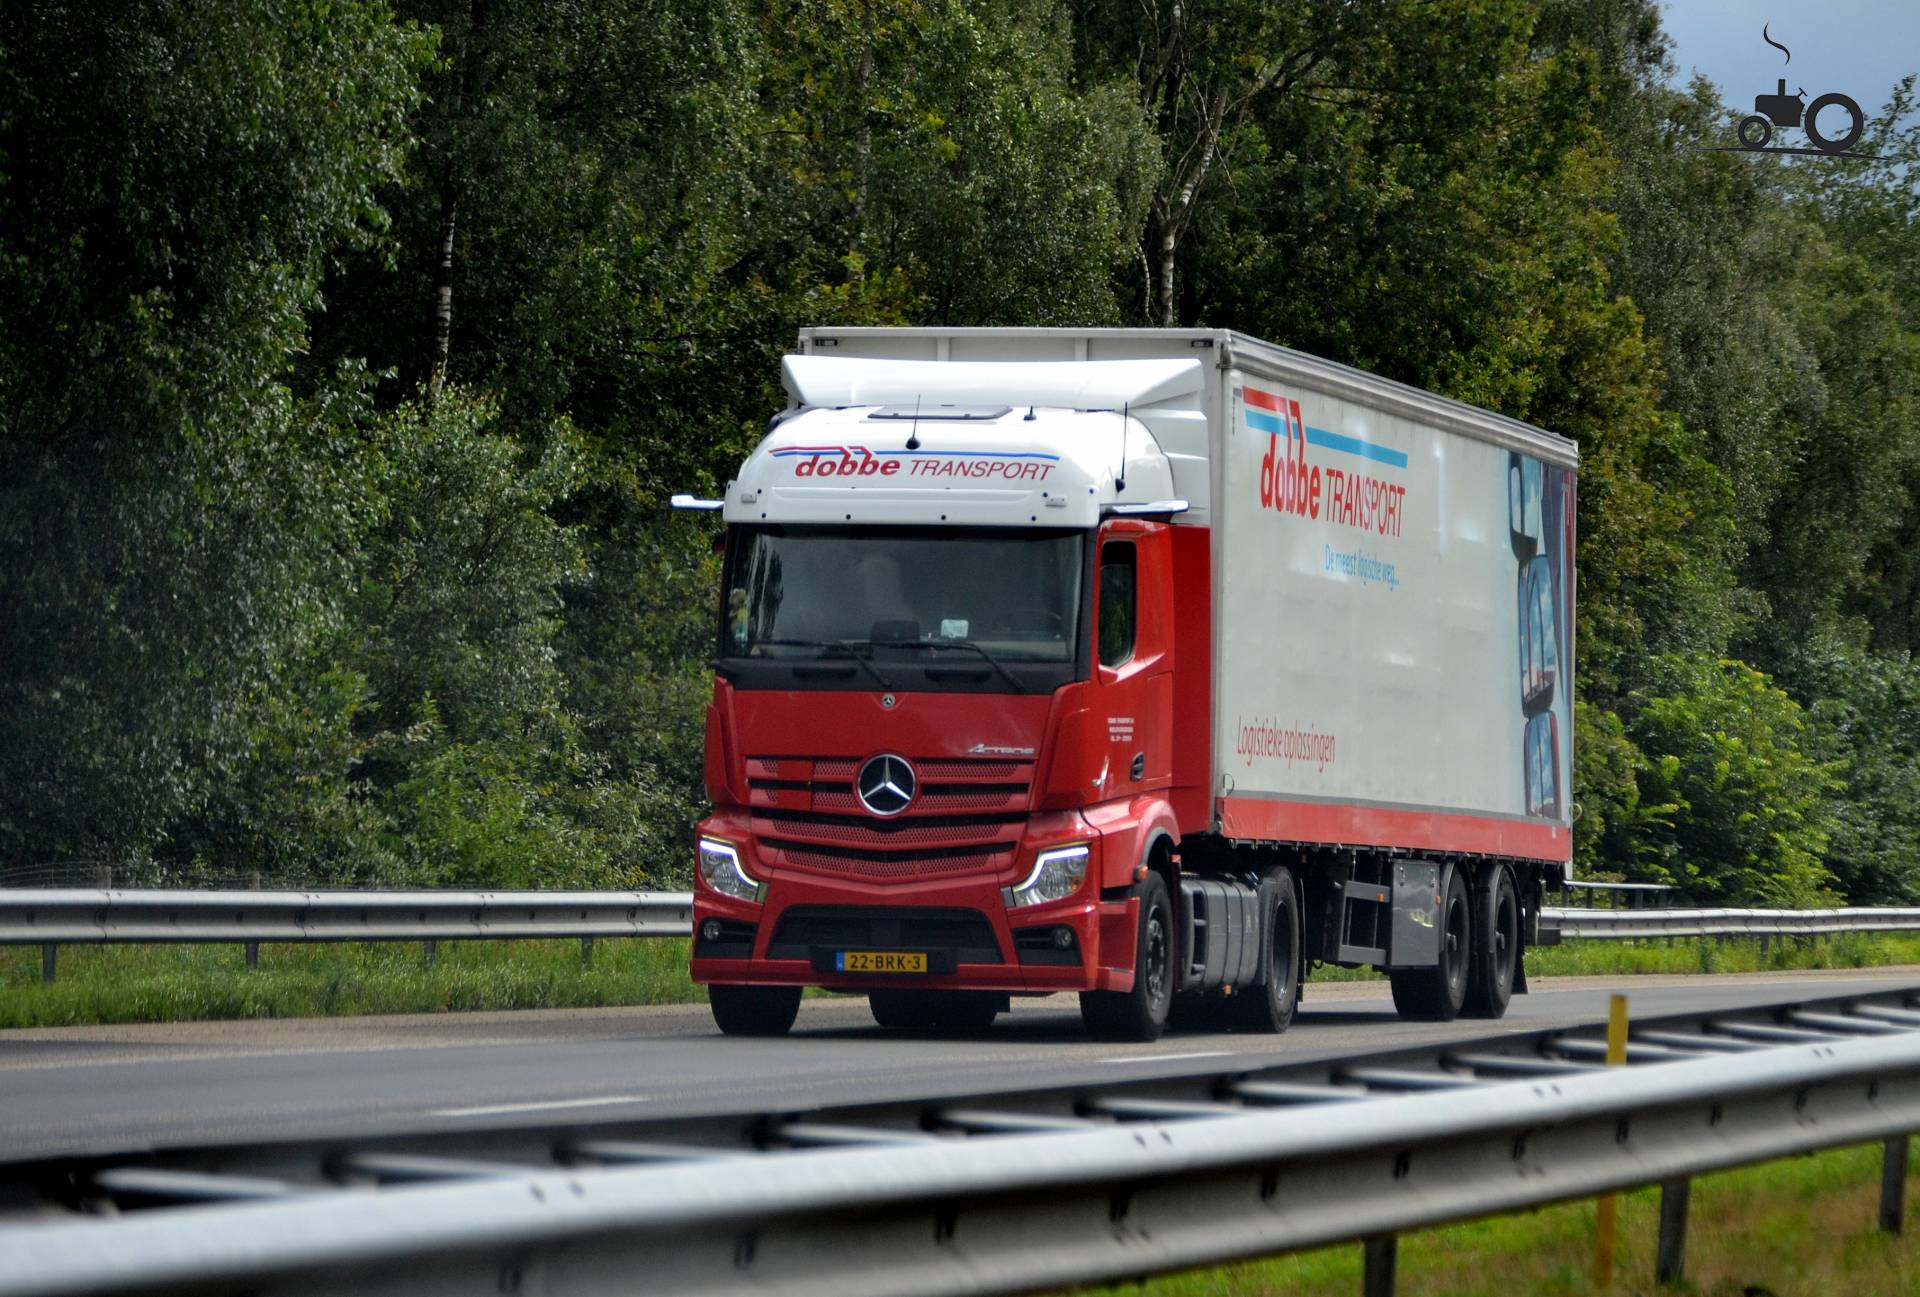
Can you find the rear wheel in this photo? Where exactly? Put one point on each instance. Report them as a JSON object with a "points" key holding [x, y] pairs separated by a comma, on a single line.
{"points": [[1270, 1007], [1141, 1013], [1436, 994], [754, 1010], [1496, 946]]}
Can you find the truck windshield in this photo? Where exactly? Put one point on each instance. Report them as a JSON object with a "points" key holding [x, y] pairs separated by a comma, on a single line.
{"points": [[924, 608]]}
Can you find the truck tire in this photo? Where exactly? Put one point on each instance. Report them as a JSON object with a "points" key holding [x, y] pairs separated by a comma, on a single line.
{"points": [[1496, 946], [1437, 994], [754, 1010], [1270, 1007], [901, 1010], [1141, 1013], [916, 1010]]}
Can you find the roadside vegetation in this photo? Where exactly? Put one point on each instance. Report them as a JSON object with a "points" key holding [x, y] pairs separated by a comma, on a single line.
{"points": [[350, 350], [107, 984], [1799, 1228]]}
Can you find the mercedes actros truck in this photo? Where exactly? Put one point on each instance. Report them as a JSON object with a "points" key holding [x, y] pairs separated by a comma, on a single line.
{"points": [[1160, 666]]}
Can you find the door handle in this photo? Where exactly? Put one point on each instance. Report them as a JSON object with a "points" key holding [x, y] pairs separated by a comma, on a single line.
{"points": [[1139, 766]]}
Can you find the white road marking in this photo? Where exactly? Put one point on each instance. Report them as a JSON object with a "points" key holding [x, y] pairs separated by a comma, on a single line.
{"points": [[1162, 1058], [490, 1109]]}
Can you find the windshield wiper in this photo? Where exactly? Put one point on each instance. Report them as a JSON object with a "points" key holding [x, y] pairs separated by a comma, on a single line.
{"points": [[969, 645], [844, 646]]}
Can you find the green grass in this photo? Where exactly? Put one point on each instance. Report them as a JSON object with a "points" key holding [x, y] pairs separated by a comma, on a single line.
{"points": [[1799, 1228], [99, 984], [103, 984]]}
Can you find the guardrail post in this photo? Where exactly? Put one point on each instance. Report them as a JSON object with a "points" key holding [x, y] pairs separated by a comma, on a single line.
{"points": [[586, 952], [1893, 1184], [1670, 1263], [1607, 1209], [1381, 1255], [49, 962], [253, 947], [430, 952], [103, 877]]}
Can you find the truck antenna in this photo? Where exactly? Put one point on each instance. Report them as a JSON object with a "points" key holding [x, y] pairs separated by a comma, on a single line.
{"points": [[913, 433], [1120, 478]]}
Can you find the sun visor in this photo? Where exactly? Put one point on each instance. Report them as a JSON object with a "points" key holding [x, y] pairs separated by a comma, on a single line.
{"points": [[835, 381]]}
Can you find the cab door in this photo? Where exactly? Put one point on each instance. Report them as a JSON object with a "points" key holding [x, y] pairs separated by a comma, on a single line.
{"points": [[1132, 698]]}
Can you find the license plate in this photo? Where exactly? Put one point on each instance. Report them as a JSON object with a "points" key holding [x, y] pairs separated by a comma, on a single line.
{"points": [[880, 961]]}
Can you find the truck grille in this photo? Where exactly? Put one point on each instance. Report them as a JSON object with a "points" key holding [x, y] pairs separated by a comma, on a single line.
{"points": [[966, 818]]}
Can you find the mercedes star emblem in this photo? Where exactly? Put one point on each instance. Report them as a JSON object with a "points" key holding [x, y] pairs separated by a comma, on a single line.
{"points": [[886, 784]]}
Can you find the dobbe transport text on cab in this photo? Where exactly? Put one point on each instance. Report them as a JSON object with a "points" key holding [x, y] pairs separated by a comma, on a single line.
{"points": [[1155, 665]]}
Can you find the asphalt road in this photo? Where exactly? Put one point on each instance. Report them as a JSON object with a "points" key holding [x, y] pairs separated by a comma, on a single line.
{"points": [[106, 1089]]}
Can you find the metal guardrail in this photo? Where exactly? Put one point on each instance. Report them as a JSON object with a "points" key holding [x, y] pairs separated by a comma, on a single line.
{"points": [[79, 916], [977, 1199], [1641, 924], [1619, 895], [53, 917], [84, 916]]}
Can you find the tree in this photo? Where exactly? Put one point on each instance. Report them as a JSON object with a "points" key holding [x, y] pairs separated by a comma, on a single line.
{"points": [[1738, 761], [174, 180]]}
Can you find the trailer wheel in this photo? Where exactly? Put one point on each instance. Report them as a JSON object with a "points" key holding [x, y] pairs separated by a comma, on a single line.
{"points": [[1437, 994], [1496, 946], [1270, 1006], [1139, 1014], [754, 1010]]}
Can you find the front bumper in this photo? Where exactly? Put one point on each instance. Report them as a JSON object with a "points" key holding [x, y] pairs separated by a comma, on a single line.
{"points": [[972, 941]]}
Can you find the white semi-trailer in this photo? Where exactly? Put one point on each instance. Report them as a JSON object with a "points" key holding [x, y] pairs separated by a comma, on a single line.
{"points": [[1157, 665]]}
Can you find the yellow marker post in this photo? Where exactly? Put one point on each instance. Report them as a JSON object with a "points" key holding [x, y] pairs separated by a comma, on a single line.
{"points": [[1609, 1204]]}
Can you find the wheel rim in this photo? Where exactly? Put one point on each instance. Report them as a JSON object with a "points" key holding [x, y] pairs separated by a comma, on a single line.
{"points": [[1157, 960]]}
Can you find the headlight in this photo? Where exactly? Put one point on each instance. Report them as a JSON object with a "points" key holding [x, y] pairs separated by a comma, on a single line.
{"points": [[720, 867], [1056, 875]]}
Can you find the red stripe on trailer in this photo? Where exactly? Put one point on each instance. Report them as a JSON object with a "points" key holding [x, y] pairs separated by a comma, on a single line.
{"points": [[1265, 400], [1336, 824]]}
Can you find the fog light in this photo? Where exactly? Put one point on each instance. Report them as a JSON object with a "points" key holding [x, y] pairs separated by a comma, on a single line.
{"points": [[710, 930], [1062, 938]]}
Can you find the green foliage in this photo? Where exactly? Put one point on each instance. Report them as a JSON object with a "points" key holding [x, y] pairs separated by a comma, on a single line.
{"points": [[174, 180], [1736, 759], [347, 356]]}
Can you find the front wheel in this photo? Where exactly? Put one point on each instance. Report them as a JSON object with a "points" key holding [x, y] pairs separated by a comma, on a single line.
{"points": [[754, 1010], [1139, 1014], [919, 1010], [1754, 132], [1437, 994]]}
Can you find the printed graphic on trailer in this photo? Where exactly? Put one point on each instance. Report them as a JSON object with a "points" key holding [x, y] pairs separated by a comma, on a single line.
{"points": [[1386, 635], [1540, 530]]}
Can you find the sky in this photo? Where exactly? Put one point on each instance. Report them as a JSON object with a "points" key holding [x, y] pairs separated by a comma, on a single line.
{"points": [[1857, 47]]}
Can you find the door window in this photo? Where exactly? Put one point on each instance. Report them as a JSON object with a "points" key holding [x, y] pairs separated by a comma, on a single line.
{"points": [[1118, 610]]}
